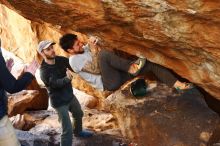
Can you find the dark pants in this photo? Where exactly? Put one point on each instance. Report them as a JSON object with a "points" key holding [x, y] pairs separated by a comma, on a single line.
{"points": [[114, 71], [67, 127]]}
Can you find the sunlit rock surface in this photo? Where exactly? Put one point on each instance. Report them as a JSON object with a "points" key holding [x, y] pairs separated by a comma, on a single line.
{"points": [[19, 102], [181, 35]]}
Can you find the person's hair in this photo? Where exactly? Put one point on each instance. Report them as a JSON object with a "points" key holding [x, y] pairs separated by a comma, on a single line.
{"points": [[67, 41]]}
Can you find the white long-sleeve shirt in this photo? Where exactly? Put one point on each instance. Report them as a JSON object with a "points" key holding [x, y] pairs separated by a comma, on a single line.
{"points": [[80, 63]]}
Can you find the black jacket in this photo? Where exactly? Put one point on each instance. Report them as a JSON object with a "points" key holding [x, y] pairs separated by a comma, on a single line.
{"points": [[58, 85], [10, 84]]}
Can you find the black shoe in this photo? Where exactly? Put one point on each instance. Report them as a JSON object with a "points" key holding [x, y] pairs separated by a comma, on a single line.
{"points": [[84, 134]]}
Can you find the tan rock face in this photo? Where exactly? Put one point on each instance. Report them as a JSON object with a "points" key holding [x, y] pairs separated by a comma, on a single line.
{"points": [[19, 102], [181, 35], [27, 100], [85, 100]]}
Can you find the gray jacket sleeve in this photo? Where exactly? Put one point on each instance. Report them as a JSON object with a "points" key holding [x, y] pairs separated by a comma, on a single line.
{"points": [[58, 83], [53, 82]]}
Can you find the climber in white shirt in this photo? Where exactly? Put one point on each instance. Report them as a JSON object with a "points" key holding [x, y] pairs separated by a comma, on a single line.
{"points": [[105, 70]]}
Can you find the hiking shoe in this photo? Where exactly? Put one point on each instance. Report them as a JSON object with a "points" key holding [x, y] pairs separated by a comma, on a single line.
{"points": [[140, 62], [84, 134]]}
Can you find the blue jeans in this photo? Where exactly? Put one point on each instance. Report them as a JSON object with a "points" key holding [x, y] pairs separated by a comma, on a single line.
{"points": [[64, 118]]}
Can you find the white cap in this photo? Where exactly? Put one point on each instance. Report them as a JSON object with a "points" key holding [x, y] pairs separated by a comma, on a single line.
{"points": [[44, 45]]}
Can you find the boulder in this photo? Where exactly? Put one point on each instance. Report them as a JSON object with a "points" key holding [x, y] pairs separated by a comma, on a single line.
{"points": [[19, 102], [85, 100], [164, 117], [28, 139], [18, 121], [42, 99], [47, 129], [27, 100]]}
